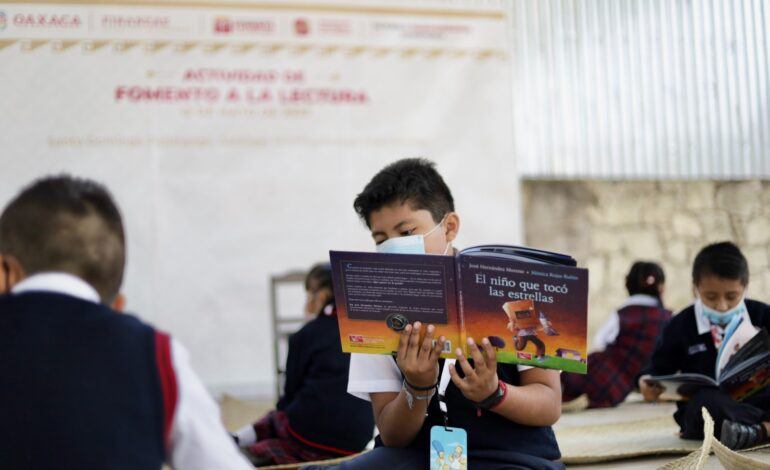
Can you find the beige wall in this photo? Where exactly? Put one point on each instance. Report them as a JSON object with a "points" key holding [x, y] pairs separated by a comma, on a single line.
{"points": [[607, 225]]}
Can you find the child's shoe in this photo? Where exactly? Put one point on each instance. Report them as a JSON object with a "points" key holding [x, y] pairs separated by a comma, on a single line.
{"points": [[741, 436]]}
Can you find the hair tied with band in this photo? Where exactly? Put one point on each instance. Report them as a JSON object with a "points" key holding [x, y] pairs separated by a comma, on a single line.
{"points": [[650, 280]]}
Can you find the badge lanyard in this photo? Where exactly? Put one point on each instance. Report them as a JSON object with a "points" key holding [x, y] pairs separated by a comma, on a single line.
{"points": [[442, 386], [448, 446]]}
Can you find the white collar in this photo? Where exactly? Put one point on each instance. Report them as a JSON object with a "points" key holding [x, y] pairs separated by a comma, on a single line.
{"points": [[57, 282], [643, 300], [703, 323]]}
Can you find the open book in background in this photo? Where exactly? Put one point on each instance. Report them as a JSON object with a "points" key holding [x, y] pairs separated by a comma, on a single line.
{"points": [[531, 304], [742, 367]]}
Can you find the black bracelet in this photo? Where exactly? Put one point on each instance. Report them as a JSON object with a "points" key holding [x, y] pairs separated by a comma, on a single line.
{"points": [[420, 389], [493, 400]]}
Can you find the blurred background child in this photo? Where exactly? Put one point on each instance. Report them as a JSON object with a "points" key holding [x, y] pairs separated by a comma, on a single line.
{"points": [[691, 341], [316, 418], [625, 342]]}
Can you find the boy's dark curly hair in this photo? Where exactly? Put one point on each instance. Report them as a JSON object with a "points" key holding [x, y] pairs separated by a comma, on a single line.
{"points": [[410, 180]]}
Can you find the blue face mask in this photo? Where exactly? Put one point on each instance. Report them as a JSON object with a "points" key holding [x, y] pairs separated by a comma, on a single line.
{"points": [[720, 318], [409, 245]]}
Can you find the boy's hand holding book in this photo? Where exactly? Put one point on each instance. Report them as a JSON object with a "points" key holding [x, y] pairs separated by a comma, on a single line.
{"points": [[480, 380], [418, 360]]}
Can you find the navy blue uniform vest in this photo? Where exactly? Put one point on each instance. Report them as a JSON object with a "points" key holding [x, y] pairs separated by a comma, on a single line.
{"points": [[321, 413], [79, 387]]}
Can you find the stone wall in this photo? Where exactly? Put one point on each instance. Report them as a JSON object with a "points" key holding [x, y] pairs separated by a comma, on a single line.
{"points": [[607, 225]]}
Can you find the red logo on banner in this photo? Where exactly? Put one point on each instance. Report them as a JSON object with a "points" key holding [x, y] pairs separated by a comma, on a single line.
{"points": [[356, 338], [226, 25], [524, 355], [223, 25], [301, 27]]}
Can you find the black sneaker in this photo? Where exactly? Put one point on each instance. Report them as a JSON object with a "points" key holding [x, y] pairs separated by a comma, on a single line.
{"points": [[741, 436]]}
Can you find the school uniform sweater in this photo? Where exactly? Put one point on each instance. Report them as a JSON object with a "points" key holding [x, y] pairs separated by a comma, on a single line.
{"points": [[682, 349], [321, 413], [81, 386]]}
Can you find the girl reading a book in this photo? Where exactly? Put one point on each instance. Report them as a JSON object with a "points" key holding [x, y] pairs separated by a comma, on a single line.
{"points": [[624, 343], [316, 418], [690, 343]]}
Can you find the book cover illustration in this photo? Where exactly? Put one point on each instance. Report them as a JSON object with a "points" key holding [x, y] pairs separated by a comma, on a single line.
{"points": [[533, 313]]}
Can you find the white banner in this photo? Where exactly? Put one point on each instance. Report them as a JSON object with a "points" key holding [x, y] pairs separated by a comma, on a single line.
{"points": [[236, 136]]}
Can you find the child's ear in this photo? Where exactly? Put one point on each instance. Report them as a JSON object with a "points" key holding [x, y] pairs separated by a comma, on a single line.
{"points": [[119, 304], [326, 295], [11, 273], [452, 225]]}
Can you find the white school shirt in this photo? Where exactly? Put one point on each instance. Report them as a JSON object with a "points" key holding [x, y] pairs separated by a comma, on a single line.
{"points": [[608, 332], [198, 439], [377, 373]]}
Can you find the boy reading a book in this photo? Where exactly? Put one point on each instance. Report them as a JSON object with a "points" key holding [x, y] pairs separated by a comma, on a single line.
{"points": [[690, 343], [507, 411]]}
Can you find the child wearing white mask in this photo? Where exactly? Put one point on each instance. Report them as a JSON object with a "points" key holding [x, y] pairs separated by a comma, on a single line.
{"points": [[691, 341], [506, 410]]}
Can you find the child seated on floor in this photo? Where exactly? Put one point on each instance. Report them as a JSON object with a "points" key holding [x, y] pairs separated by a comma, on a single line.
{"points": [[506, 410], [625, 342], [308, 422], [83, 386], [691, 340]]}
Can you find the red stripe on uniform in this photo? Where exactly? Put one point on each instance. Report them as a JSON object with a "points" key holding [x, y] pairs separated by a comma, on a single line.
{"points": [[167, 382], [317, 445]]}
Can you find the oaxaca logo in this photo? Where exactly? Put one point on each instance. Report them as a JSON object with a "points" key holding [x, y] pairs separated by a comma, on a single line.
{"points": [[44, 20]]}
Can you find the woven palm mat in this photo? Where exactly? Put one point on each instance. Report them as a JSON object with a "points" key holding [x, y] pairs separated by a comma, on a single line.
{"points": [[324, 463], [614, 441], [731, 460]]}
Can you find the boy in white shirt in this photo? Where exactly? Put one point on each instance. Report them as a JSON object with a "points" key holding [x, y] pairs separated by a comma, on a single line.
{"points": [[507, 411]]}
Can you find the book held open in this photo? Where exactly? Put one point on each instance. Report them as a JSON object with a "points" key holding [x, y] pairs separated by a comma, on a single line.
{"points": [[742, 367], [531, 304]]}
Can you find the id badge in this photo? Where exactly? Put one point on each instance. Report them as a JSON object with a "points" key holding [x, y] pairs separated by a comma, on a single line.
{"points": [[448, 448]]}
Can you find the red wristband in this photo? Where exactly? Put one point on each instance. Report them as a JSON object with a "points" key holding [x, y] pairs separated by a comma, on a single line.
{"points": [[504, 388]]}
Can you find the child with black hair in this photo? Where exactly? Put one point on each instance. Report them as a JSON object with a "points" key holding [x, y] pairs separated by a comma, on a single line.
{"points": [[624, 343], [691, 340], [306, 423], [506, 410]]}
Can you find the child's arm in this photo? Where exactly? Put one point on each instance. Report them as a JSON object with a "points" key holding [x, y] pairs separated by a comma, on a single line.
{"points": [[536, 402], [397, 422]]}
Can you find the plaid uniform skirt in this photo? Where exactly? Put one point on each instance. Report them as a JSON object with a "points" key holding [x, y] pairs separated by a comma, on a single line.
{"points": [[275, 443]]}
